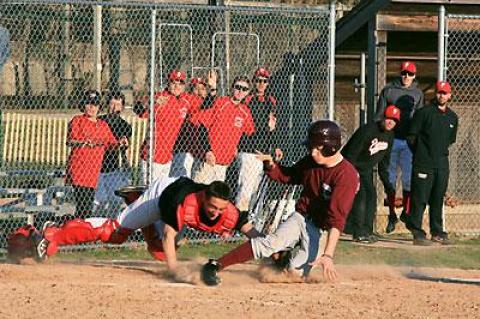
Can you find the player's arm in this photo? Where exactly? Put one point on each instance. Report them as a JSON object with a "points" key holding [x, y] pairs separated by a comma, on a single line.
{"points": [[415, 128], [246, 227], [168, 243], [283, 174]]}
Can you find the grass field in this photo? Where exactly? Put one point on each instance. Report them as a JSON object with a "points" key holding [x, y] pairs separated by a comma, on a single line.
{"points": [[464, 254]]}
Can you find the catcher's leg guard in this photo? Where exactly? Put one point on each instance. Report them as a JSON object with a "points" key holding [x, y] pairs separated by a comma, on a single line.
{"points": [[154, 244], [79, 231]]}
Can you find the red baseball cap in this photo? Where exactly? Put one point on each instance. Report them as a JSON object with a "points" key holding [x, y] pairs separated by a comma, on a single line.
{"points": [[443, 87], [409, 67], [197, 80], [392, 112], [176, 75], [262, 72]]}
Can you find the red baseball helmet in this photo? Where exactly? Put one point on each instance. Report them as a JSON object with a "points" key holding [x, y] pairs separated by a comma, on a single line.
{"points": [[176, 75], [392, 112]]}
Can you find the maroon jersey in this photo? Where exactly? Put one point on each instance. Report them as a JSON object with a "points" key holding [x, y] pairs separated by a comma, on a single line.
{"points": [[328, 192]]}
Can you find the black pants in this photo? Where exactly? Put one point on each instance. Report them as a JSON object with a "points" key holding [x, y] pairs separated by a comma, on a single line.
{"points": [[362, 216], [84, 197], [428, 188]]}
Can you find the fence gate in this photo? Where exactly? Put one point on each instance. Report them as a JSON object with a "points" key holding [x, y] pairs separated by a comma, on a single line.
{"points": [[462, 70]]}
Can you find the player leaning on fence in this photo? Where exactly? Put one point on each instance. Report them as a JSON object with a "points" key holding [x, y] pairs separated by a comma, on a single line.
{"points": [[170, 111], [329, 183], [370, 145], [88, 137], [226, 121], [263, 107]]}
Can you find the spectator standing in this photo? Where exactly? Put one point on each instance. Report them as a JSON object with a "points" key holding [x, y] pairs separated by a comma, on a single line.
{"points": [[263, 108], [187, 150], [404, 94], [433, 130], [170, 111], [370, 145], [115, 172], [88, 138], [226, 121]]}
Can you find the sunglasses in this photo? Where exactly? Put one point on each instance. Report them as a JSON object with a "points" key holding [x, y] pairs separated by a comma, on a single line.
{"points": [[405, 73], [261, 81], [242, 88], [177, 82]]}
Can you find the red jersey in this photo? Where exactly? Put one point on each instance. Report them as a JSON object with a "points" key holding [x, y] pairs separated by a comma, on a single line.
{"points": [[170, 113], [226, 122], [328, 192], [85, 162]]}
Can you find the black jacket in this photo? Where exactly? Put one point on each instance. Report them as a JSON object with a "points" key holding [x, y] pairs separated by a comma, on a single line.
{"points": [[431, 133], [371, 145]]}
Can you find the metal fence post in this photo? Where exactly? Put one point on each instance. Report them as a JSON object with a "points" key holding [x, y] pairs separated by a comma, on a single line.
{"points": [[331, 79], [441, 44], [98, 47], [151, 102]]}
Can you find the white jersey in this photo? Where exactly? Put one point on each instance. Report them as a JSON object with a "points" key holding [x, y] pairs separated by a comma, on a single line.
{"points": [[145, 210]]}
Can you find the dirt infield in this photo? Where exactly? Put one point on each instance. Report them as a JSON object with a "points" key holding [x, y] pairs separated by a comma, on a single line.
{"points": [[142, 290]]}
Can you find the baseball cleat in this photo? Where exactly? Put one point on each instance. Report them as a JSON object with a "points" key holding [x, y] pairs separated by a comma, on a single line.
{"points": [[209, 273], [422, 242], [392, 222]]}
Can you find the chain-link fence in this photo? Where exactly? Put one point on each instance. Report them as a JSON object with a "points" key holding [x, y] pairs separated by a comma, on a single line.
{"points": [[462, 71], [59, 161]]}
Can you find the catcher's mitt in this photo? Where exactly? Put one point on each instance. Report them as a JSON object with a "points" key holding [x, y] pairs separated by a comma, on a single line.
{"points": [[130, 193], [450, 201], [209, 273], [22, 243]]}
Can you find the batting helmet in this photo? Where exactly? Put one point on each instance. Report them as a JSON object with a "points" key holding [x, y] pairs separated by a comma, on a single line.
{"points": [[392, 112], [327, 134]]}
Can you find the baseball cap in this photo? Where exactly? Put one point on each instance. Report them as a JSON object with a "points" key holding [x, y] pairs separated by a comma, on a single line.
{"points": [[197, 80], [177, 75], [392, 112], [262, 72], [409, 67], [91, 97], [443, 87]]}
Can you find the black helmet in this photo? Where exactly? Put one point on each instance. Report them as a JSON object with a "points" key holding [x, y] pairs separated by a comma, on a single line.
{"points": [[327, 134]]}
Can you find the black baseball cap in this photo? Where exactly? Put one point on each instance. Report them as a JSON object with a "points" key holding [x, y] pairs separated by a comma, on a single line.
{"points": [[91, 97]]}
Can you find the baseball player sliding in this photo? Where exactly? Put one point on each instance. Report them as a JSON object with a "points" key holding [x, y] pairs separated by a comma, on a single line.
{"points": [[329, 186], [161, 212]]}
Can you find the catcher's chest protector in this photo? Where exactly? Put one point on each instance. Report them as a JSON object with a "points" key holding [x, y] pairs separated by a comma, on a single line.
{"points": [[188, 214]]}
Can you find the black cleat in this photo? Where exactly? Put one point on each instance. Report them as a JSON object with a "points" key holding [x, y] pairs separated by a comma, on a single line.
{"points": [[209, 273], [392, 222], [422, 242]]}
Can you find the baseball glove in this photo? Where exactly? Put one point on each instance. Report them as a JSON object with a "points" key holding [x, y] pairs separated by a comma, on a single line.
{"points": [[22, 243], [450, 201], [209, 273]]}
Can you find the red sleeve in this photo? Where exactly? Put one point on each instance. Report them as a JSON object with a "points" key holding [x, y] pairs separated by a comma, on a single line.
{"points": [[287, 175], [341, 200], [74, 130], [205, 117]]}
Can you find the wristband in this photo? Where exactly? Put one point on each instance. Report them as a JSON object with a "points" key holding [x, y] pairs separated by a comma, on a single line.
{"points": [[328, 256]]}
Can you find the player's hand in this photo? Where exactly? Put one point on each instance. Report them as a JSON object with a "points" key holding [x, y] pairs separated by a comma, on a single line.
{"points": [[272, 122], [212, 79], [210, 158], [329, 271], [278, 154], [123, 142], [265, 158]]}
